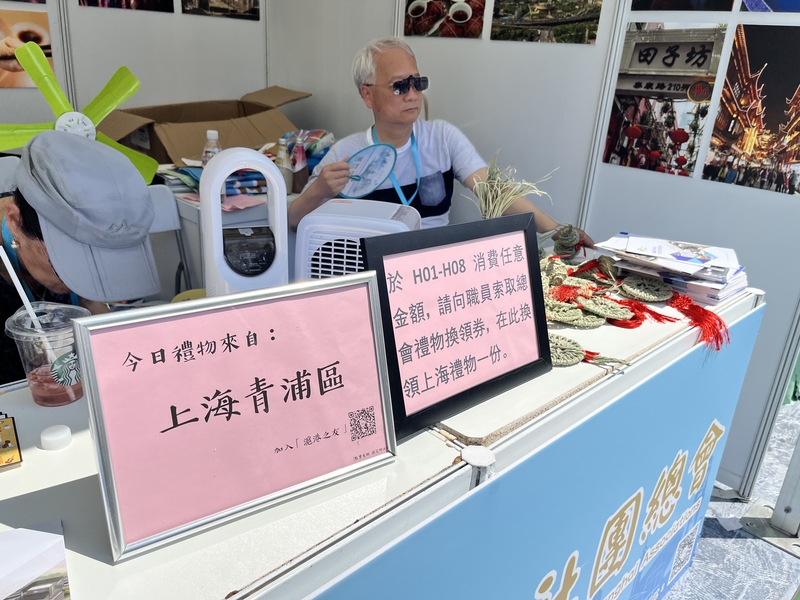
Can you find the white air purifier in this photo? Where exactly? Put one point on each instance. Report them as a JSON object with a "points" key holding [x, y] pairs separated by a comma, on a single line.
{"points": [[241, 255], [328, 237]]}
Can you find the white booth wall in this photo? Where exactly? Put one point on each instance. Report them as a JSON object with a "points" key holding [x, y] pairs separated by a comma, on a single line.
{"points": [[536, 103], [540, 105], [756, 223], [177, 57]]}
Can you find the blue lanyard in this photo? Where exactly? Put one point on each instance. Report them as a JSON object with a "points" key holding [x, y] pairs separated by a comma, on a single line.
{"points": [[12, 256], [393, 179]]}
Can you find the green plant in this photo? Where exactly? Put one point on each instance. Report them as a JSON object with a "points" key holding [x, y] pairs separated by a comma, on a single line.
{"points": [[499, 190]]}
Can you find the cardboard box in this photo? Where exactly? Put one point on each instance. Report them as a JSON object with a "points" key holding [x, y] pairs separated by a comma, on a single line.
{"points": [[171, 132]]}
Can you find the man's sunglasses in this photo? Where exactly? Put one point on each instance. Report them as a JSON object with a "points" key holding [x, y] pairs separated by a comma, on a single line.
{"points": [[404, 85]]}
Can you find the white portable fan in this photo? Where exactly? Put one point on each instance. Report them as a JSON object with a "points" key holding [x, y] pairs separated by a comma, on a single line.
{"points": [[328, 237], [244, 256]]}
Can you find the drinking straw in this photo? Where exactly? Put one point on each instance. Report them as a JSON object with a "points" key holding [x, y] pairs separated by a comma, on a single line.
{"points": [[51, 356], [17, 284]]}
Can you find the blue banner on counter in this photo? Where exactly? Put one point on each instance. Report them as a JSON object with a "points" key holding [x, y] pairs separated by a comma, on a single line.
{"points": [[611, 510]]}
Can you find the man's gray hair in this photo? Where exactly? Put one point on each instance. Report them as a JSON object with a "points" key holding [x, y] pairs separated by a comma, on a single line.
{"points": [[364, 62]]}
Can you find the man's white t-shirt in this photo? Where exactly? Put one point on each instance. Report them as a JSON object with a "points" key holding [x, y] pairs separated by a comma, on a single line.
{"points": [[444, 152]]}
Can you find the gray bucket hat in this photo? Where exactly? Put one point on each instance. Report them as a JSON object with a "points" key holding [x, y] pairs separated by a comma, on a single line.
{"points": [[95, 214]]}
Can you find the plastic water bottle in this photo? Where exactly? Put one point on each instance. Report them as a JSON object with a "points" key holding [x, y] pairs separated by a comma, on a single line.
{"points": [[284, 163], [212, 146]]}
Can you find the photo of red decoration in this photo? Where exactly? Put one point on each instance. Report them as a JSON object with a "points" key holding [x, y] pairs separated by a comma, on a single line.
{"points": [[444, 18], [563, 22]]}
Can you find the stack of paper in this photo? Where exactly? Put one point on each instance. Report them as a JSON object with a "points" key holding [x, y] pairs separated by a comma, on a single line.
{"points": [[707, 274]]}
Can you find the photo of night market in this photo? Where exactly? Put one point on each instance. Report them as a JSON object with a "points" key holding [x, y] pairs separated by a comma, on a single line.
{"points": [[756, 138], [666, 78]]}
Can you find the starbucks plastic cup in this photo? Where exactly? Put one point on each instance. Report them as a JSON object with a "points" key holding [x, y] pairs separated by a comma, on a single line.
{"points": [[49, 356]]}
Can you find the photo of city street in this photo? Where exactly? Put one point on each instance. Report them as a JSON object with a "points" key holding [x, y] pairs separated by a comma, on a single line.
{"points": [[660, 107], [238, 9], [554, 21], [756, 137]]}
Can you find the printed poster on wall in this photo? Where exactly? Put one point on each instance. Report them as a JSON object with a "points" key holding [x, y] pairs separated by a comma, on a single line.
{"points": [[237, 9], [704, 5], [16, 28], [559, 22], [440, 18], [770, 6], [156, 5], [666, 78], [755, 143]]}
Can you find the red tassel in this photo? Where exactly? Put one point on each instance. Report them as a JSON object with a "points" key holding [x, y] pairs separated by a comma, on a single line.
{"points": [[590, 265], [571, 294], [641, 312], [713, 330], [632, 323], [589, 355], [564, 293]]}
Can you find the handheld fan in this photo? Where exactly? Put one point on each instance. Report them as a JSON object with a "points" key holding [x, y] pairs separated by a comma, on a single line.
{"points": [[122, 86], [369, 168]]}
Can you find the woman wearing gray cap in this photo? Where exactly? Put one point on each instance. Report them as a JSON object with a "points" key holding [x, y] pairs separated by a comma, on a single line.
{"points": [[76, 230]]}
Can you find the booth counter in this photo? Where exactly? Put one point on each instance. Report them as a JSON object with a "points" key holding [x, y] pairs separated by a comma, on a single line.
{"points": [[598, 490]]}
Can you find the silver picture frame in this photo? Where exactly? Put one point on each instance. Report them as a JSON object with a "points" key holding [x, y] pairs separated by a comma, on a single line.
{"points": [[85, 327]]}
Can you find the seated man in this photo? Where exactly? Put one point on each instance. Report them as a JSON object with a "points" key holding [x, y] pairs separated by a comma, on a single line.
{"points": [[433, 153], [76, 230]]}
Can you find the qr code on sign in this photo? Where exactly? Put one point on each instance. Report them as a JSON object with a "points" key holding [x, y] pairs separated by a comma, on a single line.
{"points": [[362, 423], [683, 553]]}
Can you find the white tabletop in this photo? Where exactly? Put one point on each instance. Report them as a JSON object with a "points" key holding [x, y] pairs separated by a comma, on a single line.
{"points": [[497, 417], [64, 485]]}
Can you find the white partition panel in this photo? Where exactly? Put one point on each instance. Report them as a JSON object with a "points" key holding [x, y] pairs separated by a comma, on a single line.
{"points": [[177, 57], [756, 223], [539, 104]]}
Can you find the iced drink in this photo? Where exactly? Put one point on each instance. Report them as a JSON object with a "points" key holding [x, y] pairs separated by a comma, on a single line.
{"points": [[48, 353], [47, 392]]}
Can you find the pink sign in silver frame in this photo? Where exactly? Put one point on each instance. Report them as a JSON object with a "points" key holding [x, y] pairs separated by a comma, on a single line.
{"points": [[205, 409]]}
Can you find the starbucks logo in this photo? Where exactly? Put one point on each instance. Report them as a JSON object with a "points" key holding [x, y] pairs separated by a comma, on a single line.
{"points": [[65, 369]]}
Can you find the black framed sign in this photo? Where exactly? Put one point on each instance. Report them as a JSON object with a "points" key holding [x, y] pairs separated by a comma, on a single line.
{"points": [[463, 315]]}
